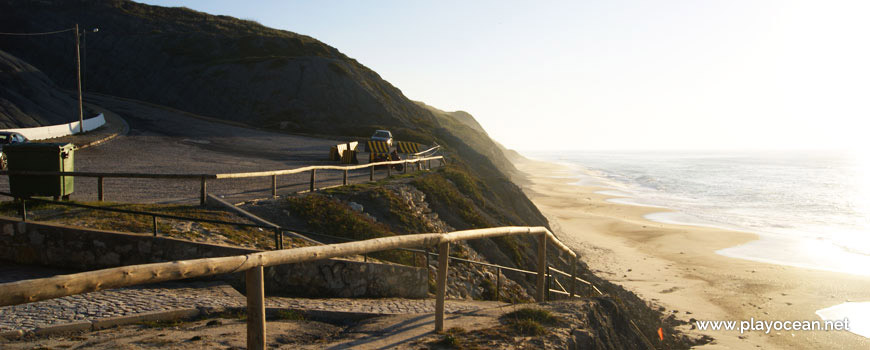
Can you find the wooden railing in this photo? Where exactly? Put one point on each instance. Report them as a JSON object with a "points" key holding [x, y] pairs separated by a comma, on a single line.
{"points": [[252, 264], [422, 163]]}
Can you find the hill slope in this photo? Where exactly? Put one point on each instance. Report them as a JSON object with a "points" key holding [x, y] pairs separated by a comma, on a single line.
{"points": [[238, 70], [28, 98]]}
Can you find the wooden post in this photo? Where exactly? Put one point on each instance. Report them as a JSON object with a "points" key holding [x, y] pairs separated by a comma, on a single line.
{"points": [[256, 309], [428, 273], [344, 182], [100, 188], [278, 241], [23, 210], [203, 191], [389, 170], [573, 276], [498, 284], [372, 173], [549, 280], [542, 267], [405, 167], [313, 176], [441, 285], [79, 82], [154, 225], [274, 186]]}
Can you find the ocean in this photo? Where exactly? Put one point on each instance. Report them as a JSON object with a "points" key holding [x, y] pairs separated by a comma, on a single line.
{"points": [[810, 209]]}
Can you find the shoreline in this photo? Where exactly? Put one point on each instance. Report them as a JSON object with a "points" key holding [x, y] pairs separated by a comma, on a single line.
{"points": [[676, 266]]}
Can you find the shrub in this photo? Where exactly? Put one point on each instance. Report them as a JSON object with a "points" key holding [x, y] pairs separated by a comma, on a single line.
{"points": [[332, 217]]}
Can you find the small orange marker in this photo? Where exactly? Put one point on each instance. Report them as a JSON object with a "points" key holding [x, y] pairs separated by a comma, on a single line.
{"points": [[661, 335]]}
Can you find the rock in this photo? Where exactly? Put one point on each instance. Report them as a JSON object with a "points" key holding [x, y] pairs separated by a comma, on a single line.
{"points": [[355, 206]]}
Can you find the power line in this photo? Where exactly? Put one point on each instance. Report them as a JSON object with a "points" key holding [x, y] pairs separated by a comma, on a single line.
{"points": [[43, 33]]}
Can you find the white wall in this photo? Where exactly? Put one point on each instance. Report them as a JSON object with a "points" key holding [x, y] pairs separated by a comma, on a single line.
{"points": [[52, 131]]}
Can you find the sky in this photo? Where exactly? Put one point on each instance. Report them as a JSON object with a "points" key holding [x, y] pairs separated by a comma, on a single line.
{"points": [[611, 75]]}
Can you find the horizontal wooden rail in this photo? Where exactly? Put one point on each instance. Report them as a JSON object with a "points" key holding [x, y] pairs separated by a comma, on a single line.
{"points": [[321, 167], [105, 174], [211, 176], [64, 285], [553, 269]]}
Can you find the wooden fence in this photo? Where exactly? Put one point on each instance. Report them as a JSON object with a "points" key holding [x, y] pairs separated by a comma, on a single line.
{"points": [[65, 285], [421, 163]]}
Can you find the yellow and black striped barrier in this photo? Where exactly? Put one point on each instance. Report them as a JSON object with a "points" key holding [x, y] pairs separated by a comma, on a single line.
{"points": [[377, 147], [345, 152], [407, 147]]}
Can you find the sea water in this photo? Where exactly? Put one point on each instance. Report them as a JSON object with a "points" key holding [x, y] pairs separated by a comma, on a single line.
{"points": [[810, 209]]}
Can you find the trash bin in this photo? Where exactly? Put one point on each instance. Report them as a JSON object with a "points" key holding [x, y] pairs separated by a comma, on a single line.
{"points": [[40, 157]]}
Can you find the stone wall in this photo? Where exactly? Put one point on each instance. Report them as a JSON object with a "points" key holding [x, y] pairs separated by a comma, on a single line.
{"points": [[88, 249]]}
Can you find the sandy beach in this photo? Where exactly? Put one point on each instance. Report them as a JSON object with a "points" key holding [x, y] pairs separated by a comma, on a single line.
{"points": [[676, 267]]}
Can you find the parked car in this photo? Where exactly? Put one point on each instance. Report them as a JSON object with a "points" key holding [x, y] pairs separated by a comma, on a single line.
{"points": [[9, 138], [383, 135]]}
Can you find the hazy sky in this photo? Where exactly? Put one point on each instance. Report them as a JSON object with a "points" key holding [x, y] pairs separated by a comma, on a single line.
{"points": [[642, 74]]}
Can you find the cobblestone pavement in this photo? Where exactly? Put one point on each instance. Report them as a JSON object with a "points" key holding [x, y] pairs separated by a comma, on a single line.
{"points": [[183, 295]]}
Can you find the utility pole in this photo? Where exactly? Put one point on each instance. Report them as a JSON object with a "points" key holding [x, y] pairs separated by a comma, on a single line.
{"points": [[79, 81]]}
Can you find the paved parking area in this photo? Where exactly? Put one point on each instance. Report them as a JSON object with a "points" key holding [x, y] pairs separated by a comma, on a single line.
{"points": [[162, 140]]}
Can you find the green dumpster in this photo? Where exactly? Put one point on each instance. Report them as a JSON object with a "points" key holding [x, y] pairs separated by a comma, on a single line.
{"points": [[40, 157]]}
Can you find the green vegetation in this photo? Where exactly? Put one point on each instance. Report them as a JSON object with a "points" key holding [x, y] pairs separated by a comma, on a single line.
{"points": [[289, 315], [452, 339], [331, 216], [489, 290], [443, 193], [464, 183], [112, 221], [232, 314], [528, 328], [162, 323], [530, 321], [386, 204]]}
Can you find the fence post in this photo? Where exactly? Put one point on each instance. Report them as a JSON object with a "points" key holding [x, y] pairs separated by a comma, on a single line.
{"points": [[428, 272], [344, 181], [23, 210], [313, 175], [256, 309], [279, 244], [428, 164], [542, 266], [274, 186], [203, 191], [549, 280], [100, 188], [498, 284], [154, 225], [441, 285], [389, 170], [372, 173], [405, 166], [573, 276]]}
